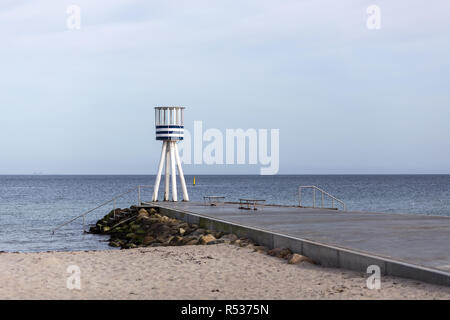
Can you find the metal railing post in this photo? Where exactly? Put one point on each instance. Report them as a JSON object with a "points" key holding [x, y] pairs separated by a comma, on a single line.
{"points": [[322, 199], [139, 195], [300, 196], [314, 197]]}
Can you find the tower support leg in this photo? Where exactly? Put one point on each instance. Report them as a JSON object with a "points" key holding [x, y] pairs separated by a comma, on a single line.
{"points": [[180, 172], [172, 167], [158, 175], [167, 176]]}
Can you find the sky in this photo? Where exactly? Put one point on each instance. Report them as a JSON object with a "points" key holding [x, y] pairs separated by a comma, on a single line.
{"points": [[346, 99]]}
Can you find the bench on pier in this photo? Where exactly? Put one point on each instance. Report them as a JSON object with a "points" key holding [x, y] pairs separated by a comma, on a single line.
{"points": [[248, 204]]}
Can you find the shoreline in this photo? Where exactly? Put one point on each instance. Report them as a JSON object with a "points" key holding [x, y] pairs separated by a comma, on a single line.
{"points": [[220, 271]]}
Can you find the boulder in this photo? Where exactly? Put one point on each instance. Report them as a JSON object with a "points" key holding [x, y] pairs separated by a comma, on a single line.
{"points": [[218, 234], [173, 223], [192, 242], [242, 242], [168, 240], [298, 258], [148, 240], [134, 226], [160, 228], [140, 231], [143, 213], [183, 225], [130, 245], [189, 239], [176, 241], [199, 231], [138, 239], [229, 237], [163, 238], [245, 243], [279, 252], [260, 249], [188, 231], [123, 229], [149, 221], [114, 244], [207, 238]]}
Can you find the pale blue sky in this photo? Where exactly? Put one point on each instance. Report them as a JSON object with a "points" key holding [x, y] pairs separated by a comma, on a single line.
{"points": [[346, 99]]}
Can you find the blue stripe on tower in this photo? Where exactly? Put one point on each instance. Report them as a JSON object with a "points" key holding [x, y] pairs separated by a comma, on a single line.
{"points": [[169, 138], [169, 132], [169, 127]]}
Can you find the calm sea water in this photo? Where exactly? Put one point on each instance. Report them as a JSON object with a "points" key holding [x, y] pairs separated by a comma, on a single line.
{"points": [[30, 206]]}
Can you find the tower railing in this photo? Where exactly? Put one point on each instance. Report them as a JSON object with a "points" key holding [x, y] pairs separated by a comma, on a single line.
{"points": [[113, 201], [323, 194]]}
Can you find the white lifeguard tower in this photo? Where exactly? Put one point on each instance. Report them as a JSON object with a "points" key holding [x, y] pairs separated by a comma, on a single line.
{"points": [[169, 122]]}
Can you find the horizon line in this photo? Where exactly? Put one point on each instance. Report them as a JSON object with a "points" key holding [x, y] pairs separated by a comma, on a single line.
{"points": [[226, 174]]}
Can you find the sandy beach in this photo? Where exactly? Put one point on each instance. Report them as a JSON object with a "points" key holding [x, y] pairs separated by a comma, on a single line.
{"points": [[191, 272]]}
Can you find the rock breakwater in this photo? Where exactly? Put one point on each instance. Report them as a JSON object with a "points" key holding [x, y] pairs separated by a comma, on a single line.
{"points": [[134, 227]]}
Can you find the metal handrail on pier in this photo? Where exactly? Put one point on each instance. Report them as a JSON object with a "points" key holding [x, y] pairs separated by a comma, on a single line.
{"points": [[323, 194], [113, 200]]}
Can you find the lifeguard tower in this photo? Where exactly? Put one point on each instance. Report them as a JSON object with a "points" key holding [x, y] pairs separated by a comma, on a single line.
{"points": [[169, 122]]}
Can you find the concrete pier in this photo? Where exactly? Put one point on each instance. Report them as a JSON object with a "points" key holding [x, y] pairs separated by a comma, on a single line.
{"points": [[404, 245]]}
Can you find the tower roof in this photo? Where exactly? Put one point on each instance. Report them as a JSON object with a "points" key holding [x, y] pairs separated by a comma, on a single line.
{"points": [[169, 107]]}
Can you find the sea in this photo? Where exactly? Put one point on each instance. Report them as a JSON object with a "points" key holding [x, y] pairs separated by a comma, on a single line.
{"points": [[31, 206]]}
